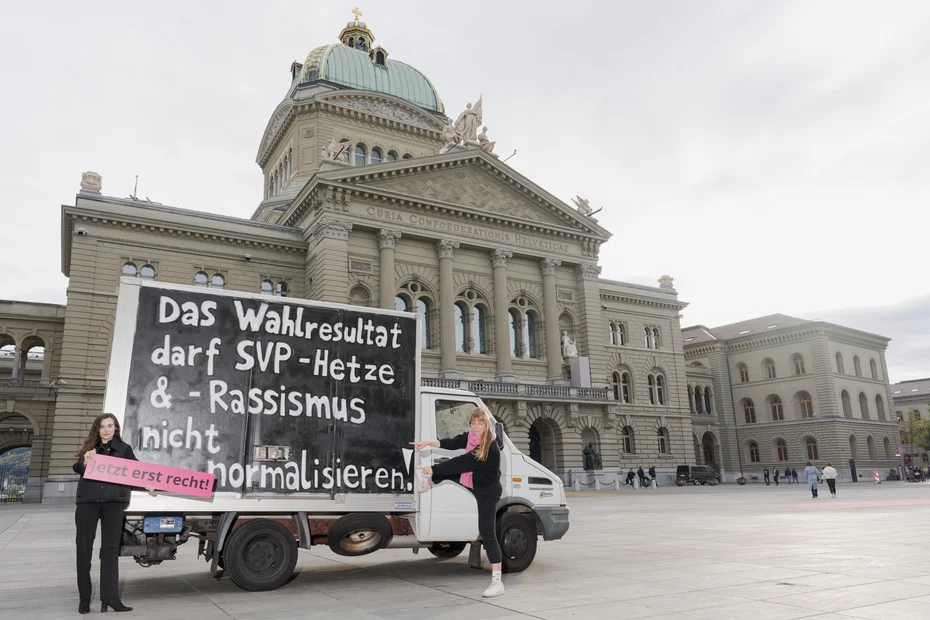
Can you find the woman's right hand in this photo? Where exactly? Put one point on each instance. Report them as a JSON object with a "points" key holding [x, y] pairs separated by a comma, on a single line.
{"points": [[89, 455], [429, 443]]}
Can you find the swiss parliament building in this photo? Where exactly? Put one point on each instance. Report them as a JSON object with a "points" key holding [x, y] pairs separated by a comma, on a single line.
{"points": [[375, 196]]}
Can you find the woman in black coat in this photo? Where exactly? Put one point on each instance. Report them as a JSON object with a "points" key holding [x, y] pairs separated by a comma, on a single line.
{"points": [[479, 470], [104, 502]]}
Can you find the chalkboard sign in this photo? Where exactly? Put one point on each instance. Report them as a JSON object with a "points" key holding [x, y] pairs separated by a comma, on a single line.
{"points": [[272, 395]]}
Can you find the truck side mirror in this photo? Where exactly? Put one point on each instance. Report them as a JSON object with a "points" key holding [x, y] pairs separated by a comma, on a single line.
{"points": [[499, 429]]}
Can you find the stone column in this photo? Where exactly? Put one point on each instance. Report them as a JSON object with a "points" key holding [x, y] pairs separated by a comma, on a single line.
{"points": [[501, 325], [327, 264], [16, 356], [445, 249], [387, 239], [47, 366], [551, 311]]}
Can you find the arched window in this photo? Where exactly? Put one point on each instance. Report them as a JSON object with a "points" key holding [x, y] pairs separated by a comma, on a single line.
{"points": [[781, 449], [461, 318], [147, 272], [266, 287], [408, 156], [698, 400], [804, 404], [529, 332], [401, 304], [811, 444], [870, 444], [839, 363], [749, 411], [629, 440], [391, 156], [708, 409], [613, 333], [514, 333], [651, 381], [753, 452], [660, 389], [479, 329], [655, 337], [873, 369], [777, 408], [626, 387], [647, 336], [662, 437], [863, 406], [854, 447], [615, 381], [129, 269], [888, 452], [769, 366], [360, 155], [201, 279], [880, 407], [281, 289], [798, 363], [423, 308], [359, 296], [691, 399], [743, 373], [618, 334], [857, 368], [847, 406], [379, 58], [656, 388], [218, 281], [376, 155]]}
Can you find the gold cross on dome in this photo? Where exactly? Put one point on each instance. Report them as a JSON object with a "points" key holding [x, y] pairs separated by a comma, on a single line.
{"points": [[357, 14]]}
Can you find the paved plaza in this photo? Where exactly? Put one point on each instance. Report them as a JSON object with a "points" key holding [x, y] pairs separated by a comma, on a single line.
{"points": [[757, 553]]}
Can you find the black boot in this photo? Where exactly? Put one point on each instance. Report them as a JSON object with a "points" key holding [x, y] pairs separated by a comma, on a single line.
{"points": [[114, 604], [84, 607]]}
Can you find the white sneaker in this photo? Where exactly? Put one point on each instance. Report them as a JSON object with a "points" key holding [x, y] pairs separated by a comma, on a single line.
{"points": [[422, 482], [495, 589]]}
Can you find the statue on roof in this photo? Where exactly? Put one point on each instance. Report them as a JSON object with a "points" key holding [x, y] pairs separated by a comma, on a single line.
{"points": [[450, 138], [582, 205], [486, 145], [331, 151], [466, 125]]}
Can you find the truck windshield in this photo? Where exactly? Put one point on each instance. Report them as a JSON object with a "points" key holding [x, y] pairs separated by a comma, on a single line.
{"points": [[452, 418]]}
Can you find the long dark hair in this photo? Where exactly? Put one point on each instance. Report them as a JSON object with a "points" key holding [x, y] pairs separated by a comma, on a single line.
{"points": [[94, 436]]}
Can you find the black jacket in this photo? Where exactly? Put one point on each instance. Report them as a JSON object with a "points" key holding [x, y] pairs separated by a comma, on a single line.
{"points": [[95, 491], [486, 478]]}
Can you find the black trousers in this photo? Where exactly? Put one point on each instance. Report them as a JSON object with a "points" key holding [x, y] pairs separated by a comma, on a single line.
{"points": [[831, 482], [110, 516], [487, 520]]}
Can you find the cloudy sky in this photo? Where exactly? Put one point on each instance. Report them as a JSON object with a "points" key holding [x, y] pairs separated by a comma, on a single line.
{"points": [[770, 156]]}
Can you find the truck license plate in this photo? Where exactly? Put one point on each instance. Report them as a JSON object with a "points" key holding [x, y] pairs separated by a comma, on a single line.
{"points": [[162, 525]]}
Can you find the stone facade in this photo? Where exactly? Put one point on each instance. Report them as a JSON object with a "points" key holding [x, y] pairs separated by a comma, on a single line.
{"points": [[788, 390], [912, 399]]}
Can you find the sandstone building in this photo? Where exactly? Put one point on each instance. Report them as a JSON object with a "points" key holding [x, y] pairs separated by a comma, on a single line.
{"points": [[912, 400]]}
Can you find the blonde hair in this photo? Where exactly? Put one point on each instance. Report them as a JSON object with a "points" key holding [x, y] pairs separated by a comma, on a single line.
{"points": [[481, 452]]}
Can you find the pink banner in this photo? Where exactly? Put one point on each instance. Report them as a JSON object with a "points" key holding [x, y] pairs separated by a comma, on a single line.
{"points": [[140, 474]]}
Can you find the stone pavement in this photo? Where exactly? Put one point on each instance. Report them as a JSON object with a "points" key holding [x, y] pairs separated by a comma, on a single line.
{"points": [[762, 553]]}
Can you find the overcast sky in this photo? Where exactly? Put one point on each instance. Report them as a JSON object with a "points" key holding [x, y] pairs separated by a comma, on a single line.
{"points": [[770, 156]]}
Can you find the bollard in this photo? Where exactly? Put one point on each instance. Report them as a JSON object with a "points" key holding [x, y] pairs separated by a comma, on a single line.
{"points": [[636, 483], [597, 484], [575, 486], [617, 484], [878, 480]]}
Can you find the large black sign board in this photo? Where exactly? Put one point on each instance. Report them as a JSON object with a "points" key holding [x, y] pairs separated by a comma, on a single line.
{"points": [[215, 380]]}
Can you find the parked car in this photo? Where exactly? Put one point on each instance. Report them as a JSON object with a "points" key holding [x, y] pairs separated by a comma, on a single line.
{"points": [[696, 474]]}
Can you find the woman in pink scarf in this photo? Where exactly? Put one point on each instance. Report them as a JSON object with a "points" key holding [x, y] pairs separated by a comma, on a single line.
{"points": [[479, 470]]}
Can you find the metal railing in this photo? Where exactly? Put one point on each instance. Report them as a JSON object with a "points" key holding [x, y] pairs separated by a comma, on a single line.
{"points": [[13, 483]]}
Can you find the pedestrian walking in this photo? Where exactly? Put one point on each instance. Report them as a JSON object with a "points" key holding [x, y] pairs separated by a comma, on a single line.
{"points": [[812, 475], [794, 474], [630, 476], [652, 474], [765, 476], [104, 502], [777, 474], [642, 476], [788, 475], [829, 474]]}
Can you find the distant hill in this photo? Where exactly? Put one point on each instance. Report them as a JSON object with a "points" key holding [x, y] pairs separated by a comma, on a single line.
{"points": [[15, 458]]}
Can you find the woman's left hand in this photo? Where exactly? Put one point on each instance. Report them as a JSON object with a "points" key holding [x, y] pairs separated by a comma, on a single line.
{"points": [[151, 490], [426, 470]]}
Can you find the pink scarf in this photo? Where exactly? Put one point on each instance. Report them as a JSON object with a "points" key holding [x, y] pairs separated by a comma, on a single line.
{"points": [[474, 440]]}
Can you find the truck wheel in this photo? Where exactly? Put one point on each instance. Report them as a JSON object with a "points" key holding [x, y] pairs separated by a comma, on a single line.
{"points": [[260, 555], [517, 537], [447, 551], [359, 533]]}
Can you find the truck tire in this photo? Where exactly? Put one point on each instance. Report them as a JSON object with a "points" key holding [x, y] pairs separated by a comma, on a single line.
{"points": [[517, 537], [260, 555], [359, 533], [447, 551]]}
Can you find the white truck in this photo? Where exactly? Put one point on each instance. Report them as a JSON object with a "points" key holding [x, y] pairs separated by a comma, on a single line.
{"points": [[304, 411]]}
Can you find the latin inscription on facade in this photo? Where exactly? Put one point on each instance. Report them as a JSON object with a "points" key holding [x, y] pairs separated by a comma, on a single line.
{"points": [[468, 230]]}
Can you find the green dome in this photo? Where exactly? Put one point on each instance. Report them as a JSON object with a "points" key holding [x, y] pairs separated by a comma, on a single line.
{"points": [[354, 68]]}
